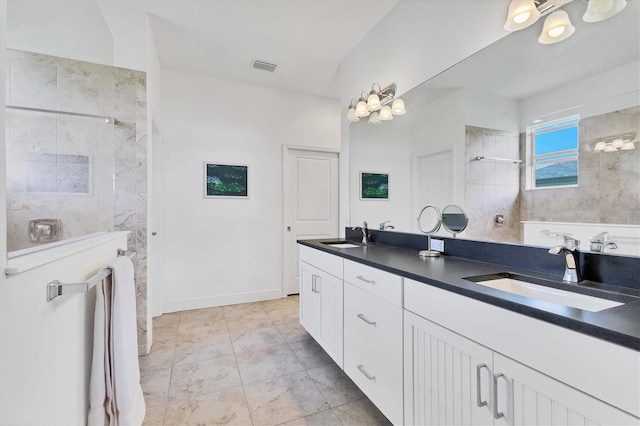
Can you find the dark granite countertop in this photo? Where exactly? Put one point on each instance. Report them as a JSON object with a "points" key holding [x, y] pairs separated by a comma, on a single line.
{"points": [[620, 325]]}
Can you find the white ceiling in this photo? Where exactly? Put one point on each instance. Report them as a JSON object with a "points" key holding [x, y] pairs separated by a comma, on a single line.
{"points": [[307, 39]]}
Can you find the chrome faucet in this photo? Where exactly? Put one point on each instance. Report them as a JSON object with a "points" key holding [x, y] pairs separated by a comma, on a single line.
{"points": [[599, 243], [365, 232], [572, 257], [384, 225]]}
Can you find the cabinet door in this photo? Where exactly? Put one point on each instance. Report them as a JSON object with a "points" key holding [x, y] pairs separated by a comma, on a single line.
{"points": [[309, 300], [329, 291], [537, 399], [447, 378]]}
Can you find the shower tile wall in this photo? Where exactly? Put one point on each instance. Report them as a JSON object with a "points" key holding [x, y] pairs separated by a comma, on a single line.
{"points": [[492, 187], [607, 189], [89, 174]]}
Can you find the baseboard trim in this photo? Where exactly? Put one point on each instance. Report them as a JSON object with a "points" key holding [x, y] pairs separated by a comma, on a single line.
{"points": [[227, 299]]}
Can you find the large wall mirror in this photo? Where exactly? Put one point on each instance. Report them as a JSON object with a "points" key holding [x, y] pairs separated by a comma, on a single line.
{"points": [[490, 105]]}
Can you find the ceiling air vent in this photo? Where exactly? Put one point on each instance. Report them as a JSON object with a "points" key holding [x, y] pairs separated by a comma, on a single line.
{"points": [[264, 66]]}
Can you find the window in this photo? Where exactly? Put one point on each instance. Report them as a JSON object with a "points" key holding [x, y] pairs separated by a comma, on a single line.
{"points": [[554, 162]]}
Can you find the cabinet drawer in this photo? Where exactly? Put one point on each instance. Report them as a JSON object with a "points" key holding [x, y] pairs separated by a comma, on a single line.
{"points": [[373, 353], [374, 281], [327, 262]]}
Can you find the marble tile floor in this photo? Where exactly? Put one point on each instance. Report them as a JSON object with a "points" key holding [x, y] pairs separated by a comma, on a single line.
{"points": [[247, 364]]}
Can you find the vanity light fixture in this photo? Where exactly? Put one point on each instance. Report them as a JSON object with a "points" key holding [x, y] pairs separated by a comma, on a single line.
{"points": [[379, 105], [623, 142], [557, 26]]}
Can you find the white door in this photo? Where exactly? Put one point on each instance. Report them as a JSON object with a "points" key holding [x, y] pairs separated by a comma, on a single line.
{"points": [[432, 181], [310, 204]]}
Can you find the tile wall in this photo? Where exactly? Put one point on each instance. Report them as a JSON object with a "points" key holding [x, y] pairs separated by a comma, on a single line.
{"points": [[90, 174], [607, 189], [492, 187]]}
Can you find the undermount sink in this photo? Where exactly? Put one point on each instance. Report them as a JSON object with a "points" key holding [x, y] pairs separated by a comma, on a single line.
{"points": [[509, 283], [340, 244]]}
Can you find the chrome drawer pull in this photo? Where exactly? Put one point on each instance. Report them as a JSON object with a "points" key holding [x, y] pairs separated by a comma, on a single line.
{"points": [[363, 318], [361, 278], [362, 370], [479, 400], [496, 414]]}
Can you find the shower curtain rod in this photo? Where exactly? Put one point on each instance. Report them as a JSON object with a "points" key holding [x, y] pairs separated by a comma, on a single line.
{"points": [[54, 111]]}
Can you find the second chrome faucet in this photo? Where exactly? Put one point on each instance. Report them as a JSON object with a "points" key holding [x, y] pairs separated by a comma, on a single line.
{"points": [[571, 253]]}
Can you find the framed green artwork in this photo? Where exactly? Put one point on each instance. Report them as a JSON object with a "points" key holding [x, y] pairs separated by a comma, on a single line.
{"points": [[226, 180], [374, 186]]}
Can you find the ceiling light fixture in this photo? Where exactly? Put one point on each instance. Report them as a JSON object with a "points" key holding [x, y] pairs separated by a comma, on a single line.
{"points": [[378, 104], [557, 26]]}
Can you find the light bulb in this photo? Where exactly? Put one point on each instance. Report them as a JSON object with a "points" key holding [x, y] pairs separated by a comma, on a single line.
{"points": [[617, 143], [598, 10], [373, 102], [351, 115], [627, 146], [557, 31], [557, 27], [374, 119], [397, 107], [361, 108], [385, 113], [522, 13], [520, 18]]}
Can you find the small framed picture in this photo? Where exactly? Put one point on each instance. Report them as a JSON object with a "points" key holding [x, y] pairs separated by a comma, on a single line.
{"points": [[226, 180], [374, 186]]}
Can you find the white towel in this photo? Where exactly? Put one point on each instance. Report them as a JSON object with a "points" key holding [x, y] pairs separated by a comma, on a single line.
{"points": [[115, 394]]}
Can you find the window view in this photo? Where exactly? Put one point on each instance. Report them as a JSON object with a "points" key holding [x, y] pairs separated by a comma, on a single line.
{"points": [[555, 154]]}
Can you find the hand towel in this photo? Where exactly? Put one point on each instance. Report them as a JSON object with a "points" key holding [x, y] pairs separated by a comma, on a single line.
{"points": [[115, 394], [127, 392]]}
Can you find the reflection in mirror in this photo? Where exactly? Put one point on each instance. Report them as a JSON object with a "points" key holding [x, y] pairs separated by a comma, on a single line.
{"points": [[453, 219], [488, 106], [429, 221]]}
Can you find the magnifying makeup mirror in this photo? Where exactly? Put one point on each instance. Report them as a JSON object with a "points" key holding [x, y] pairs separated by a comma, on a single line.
{"points": [[429, 221], [454, 219]]}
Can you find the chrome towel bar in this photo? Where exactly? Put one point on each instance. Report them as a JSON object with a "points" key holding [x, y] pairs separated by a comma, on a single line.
{"points": [[55, 288]]}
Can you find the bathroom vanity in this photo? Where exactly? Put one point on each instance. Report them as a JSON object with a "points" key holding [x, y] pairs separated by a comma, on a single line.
{"points": [[429, 345]]}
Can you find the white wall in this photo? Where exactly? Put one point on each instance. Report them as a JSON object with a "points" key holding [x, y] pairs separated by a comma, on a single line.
{"points": [[414, 42], [617, 88], [385, 149], [46, 347], [65, 28], [219, 251], [491, 111]]}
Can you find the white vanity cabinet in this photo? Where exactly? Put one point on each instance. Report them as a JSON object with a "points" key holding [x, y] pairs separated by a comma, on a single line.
{"points": [[373, 336], [321, 299], [451, 379]]}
